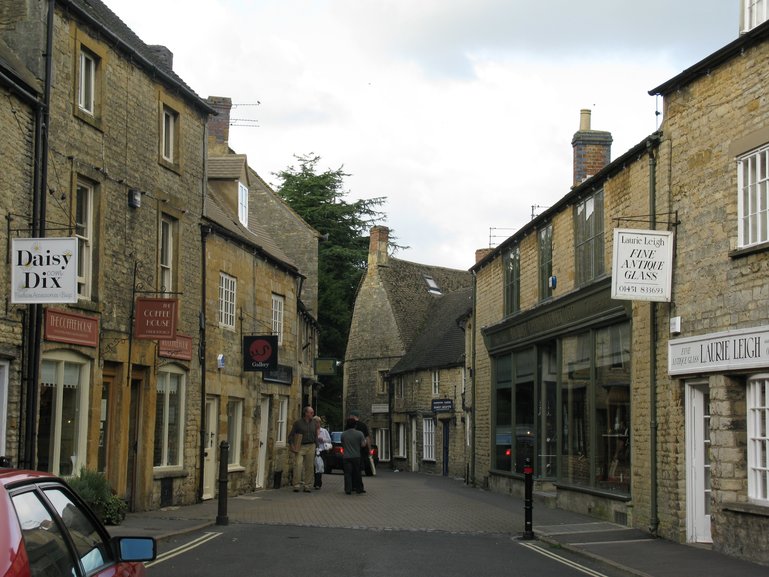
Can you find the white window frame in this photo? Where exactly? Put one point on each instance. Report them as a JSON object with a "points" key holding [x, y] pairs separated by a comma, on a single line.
{"points": [[382, 382], [243, 204], [60, 360], [228, 286], [278, 307], [382, 440], [545, 251], [86, 94], [169, 134], [401, 435], [758, 439], [282, 424], [166, 253], [84, 233], [4, 367], [589, 261], [436, 383], [168, 377], [234, 431], [428, 439], [754, 13], [753, 197]]}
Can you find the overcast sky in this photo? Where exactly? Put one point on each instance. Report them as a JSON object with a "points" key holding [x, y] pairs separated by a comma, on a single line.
{"points": [[459, 112]]}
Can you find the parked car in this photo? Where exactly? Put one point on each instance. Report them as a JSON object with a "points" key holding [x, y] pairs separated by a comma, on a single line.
{"points": [[333, 459], [47, 529]]}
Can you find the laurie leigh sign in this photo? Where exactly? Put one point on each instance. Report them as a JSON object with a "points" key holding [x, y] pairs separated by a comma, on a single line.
{"points": [[44, 270], [642, 265], [729, 350]]}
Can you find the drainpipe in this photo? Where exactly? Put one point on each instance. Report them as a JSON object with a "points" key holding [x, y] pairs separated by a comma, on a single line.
{"points": [[472, 381], [651, 145], [34, 328], [204, 232]]}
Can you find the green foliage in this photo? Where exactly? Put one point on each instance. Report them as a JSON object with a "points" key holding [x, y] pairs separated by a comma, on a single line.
{"points": [[95, 490], [319, 198]]}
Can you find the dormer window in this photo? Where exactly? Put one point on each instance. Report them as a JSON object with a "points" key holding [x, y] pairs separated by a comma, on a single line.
{"points": [[432, 286], [243, 204]]}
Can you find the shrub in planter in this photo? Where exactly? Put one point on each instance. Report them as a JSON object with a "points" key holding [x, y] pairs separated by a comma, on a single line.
{"points": [[95, 490]]}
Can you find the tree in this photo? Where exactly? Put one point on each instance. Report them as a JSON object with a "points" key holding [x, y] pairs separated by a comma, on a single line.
{"points": [[320, 200]]}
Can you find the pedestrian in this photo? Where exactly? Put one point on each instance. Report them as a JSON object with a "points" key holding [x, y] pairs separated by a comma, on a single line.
{"points": [[302, 443], [324, 445], [364, 458], [353, 443]]}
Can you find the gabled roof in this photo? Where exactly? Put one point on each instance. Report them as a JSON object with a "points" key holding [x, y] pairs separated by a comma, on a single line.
{"points": [[121, 38], [409, 295], [228, 167], [441, 343], [258, 184], [214, 210]]}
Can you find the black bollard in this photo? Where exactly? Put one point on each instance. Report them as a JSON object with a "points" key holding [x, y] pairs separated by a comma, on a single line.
{"points": [[224, 451], [528, 478]]}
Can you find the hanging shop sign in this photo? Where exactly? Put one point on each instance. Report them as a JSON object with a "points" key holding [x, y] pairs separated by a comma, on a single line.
{"points": [[642, 265], [325, 367], [43, 270], [155, 318], [66, 327], [179, 348], [260, 353]]}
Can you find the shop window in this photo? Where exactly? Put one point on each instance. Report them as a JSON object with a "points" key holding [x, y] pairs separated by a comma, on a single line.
{"points": [[758, 440], [63, 423], [234, 430], [169, 417], [428, 439]]}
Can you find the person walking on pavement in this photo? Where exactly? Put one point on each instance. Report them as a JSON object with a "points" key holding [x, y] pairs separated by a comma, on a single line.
{"points": [[323, 446], [302, 439], [353, 443], [364, 458]]}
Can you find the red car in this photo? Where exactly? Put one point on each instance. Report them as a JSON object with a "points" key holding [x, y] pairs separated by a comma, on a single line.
{"points": [[46, 530]]}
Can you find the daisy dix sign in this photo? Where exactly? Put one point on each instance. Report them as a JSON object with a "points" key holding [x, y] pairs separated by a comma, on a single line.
{"points": [[43, 270]]}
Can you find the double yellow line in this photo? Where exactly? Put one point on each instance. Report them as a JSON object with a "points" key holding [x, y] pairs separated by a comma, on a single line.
{"points": [[183, 548]]}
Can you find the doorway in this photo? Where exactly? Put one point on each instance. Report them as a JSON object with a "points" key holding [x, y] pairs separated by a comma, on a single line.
{"points": [[134, 443], [698, 489], [264, 429], [446, 448], [209, 454]]}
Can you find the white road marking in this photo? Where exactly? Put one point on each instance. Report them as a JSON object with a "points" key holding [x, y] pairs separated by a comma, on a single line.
{"points": [[183, 548], [563, 560]]}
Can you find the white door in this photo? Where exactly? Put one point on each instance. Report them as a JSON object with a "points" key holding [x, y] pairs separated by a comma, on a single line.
{"points": [[414, 467], [264, 422], [698, 463], [211, 449]]}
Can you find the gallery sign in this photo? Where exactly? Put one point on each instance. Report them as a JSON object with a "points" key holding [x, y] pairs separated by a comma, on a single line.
{"points": [[744, 349], [155, 318], [260, 353], [642, 265], [43, 270]]}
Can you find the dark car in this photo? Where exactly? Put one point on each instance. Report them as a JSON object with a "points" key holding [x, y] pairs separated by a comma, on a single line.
{"points": [[332, 460], [46, 529]]}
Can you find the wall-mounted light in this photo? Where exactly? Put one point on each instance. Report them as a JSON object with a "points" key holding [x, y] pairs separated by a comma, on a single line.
{"points": [[552, 282], [219, 361], [134, 197]]}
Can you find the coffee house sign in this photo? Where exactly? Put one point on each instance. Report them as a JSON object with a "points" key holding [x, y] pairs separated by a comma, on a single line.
{"points": [[745, 349]]}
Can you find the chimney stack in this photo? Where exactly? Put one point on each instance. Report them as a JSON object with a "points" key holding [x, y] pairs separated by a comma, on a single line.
{"points": [[482, 253], [377, 248], [219, 125], [592, 149]]}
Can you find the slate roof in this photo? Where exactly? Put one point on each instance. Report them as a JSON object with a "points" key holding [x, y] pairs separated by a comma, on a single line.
{"points": [[229, 167], [255, 235], [441, 342], [122, 38], [408, 293]]}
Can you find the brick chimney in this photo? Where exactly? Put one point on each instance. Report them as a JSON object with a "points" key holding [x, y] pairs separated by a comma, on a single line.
{"points": [[219, 125], [592, 149], [377, 248], [482, 253]]}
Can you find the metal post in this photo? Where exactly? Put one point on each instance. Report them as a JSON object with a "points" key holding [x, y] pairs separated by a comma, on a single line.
{"points": [[528, 474], [224, 451]]}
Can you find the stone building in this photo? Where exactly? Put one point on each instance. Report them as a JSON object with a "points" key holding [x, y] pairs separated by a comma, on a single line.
{"points": [[266, 289], [392, 308], [124, 175], [20, 149], [637, 402]]}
